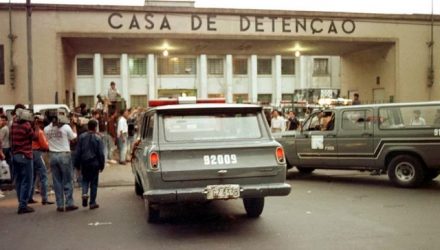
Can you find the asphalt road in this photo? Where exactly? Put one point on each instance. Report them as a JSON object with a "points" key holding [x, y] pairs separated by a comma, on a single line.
{"points": [[326, 210]]}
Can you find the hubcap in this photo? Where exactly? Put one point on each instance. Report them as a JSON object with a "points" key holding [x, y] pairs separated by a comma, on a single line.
{"points": [[405, 171]]}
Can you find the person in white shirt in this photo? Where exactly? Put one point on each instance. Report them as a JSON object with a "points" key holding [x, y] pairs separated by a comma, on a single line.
{"points": [[113, 92], [122, 133], [59, 134], [418, 120], [278, 123]]}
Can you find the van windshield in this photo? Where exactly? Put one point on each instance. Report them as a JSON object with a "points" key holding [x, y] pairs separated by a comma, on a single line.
{"points": [[211, 127]]}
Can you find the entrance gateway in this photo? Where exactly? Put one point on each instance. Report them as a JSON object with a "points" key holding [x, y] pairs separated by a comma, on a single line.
{"points": [[250, 55]]}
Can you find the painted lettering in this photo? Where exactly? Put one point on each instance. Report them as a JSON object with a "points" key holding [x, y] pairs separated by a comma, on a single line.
{"points": [[302, 25], [196, 22], [134, 23], [259, 24], [150, 24], [244, 21], [313, 27], [348, 26], [332, 28], [273, 22], [110, 22], [211, 23], [165, 24], [286, 24]]}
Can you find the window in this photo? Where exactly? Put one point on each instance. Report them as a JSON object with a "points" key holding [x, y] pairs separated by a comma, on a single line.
{"points": [[88, 100], [212, 126], [288, 66], [149, 135], [264, 66], [2, 65], [320, 66], [84, 66], [409, 117], [240, 98], [264, 98], [112, 66], [288, 97], [137, 66], [177, 66], [215, 66], [138, 101], [240, 66], [356, 120]]}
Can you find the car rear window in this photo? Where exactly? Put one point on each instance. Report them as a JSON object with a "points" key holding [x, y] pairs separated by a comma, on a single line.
{"points": [[207, 127]]}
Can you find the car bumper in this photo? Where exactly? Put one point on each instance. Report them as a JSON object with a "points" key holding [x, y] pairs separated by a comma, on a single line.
{"points": [[199, 194]]}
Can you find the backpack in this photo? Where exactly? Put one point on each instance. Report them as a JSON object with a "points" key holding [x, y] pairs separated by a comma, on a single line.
{"points": [[90, 154]]}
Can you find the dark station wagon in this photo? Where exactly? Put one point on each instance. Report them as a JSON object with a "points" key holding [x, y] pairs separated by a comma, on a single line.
{"points": [[203, 152]]}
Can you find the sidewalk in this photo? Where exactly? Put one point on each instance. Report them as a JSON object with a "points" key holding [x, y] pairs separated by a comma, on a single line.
{"points": [[116, 175]]}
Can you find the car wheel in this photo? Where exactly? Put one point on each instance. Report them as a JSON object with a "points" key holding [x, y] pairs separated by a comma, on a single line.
{"points": [[406, 171], [152, 212], [431, 174], [253, 206], [304, 170], [137, 187]]}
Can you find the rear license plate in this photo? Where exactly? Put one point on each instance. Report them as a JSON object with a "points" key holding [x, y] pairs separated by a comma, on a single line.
{"points": [[222, 192]]}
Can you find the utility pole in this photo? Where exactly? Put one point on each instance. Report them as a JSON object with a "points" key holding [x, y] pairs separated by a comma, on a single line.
{"points": [[29, 52]]}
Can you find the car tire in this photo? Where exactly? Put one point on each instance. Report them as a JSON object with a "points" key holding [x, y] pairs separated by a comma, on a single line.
{"points": [[431, 174], [304, 170], [138, 187], [406, 171], [152, 212], [253, 206]]}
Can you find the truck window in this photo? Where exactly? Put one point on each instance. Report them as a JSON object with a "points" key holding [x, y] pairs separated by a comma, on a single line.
{"points": [[356, 120], [409, 117]]}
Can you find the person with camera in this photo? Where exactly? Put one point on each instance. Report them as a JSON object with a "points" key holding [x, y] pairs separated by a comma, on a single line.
{"points": [[22, 135], [40, 146], [58, 134]]}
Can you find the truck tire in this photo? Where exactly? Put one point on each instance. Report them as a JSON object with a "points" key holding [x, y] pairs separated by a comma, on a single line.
{"points": [[304, 170], [138, 187], [406, 171], [152, 212], [253, 206]]}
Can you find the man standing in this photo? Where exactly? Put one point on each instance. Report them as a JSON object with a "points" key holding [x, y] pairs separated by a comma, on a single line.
{"points": [[293, 121], [356, 100], [4, 137], [90, 160], [58, 134], [122, 133], [22, 135], [40, 146], [278, 124]]}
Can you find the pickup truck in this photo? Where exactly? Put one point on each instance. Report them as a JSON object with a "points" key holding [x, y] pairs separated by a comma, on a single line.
{"points": [[401, 140]]}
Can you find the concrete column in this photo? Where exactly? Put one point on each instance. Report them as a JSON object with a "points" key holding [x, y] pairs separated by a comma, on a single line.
{"points": [[303, 73], [97, 76], [276, 100], [125, 79], [229, 78], [203, 91], [253, 94], [151, 73]]}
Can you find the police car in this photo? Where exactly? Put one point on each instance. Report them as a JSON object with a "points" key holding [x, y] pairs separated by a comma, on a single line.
{"points": [[194, 151]]}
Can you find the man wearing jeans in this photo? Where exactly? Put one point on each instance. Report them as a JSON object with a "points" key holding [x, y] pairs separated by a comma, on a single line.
{"points": [[58, 134], [122, 134], [22, 135]]}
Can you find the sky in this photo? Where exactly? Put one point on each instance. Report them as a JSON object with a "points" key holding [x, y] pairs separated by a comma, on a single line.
{"points": [[359, 6]]}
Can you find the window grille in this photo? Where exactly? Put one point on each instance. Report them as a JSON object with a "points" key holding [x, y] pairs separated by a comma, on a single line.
{"points": [[288, 66], [137, 66], [240, 66], [177, 66], [84, 66], [320, 66], [264, 66], [215, 66], [112, 66]]}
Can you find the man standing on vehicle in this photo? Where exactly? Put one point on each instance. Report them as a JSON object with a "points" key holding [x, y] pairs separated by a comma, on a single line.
{"points": [[58, 134]]}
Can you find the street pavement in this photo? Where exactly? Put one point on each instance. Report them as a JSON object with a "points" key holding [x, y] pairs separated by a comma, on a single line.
{"points": [[326, 210]]}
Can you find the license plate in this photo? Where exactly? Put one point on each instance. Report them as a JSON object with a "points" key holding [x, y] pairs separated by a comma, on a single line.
{"points": [[222, 192]]}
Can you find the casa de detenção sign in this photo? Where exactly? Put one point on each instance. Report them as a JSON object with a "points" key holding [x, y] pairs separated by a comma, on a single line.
{"points": [[210, 23]]}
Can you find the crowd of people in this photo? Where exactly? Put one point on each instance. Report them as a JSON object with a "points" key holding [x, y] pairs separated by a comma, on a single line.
{"points": [[280, 123], [76, 146]]}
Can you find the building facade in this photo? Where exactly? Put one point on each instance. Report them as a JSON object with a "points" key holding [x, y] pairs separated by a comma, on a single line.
{"points": [[252, 56]]}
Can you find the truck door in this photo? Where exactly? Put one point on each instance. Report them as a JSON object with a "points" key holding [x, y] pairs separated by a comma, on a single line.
{"points": [[355, 138], [317, 145]]}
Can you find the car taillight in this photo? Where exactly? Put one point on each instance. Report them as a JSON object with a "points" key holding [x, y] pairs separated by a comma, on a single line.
{"points": [[279, 154], [154, 160]]}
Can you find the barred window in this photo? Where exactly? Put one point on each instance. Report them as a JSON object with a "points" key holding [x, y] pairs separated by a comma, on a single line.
{"points": [[177, 66], [2, 65], [240, 66], [112, 66], [264, 98], [137, 66], [240, 98], [215, 66], [88, 100], [264, 66], [288, 66], [84, 66], [138, 101], [320, 66]]}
